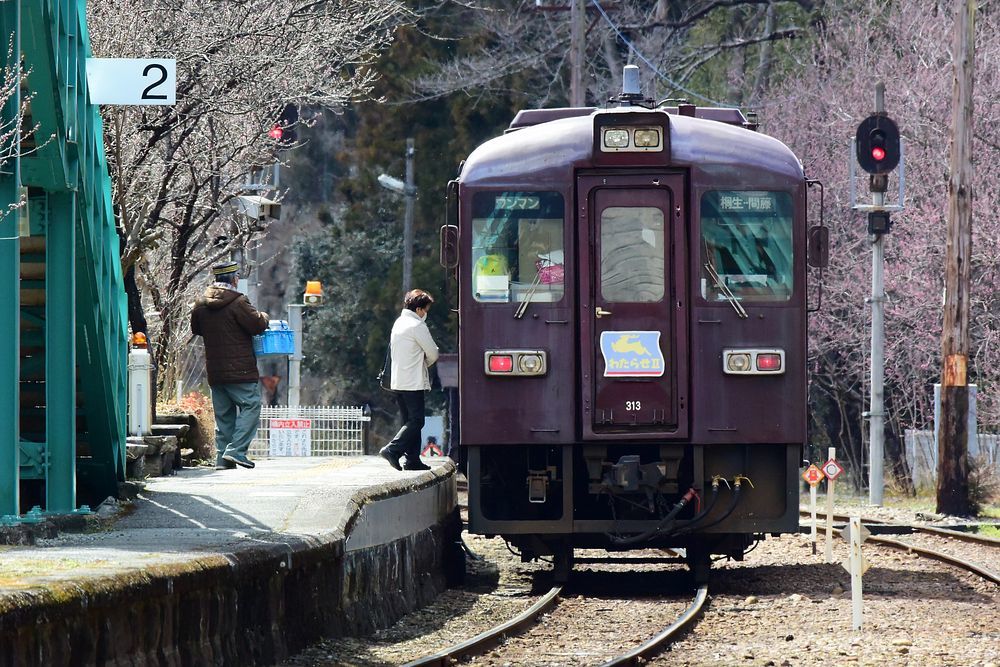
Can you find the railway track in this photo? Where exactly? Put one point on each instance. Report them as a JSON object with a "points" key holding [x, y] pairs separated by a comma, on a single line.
{"points": [[529, 621], [983, 561], [916, 528], [484, 641], [663, 639]]}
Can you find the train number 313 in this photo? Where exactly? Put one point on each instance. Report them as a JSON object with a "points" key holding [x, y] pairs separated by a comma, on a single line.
{"points": [[632, 406]]}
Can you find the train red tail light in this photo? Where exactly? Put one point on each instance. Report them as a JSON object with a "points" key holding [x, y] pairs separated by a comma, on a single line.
{"points": [[501, 363], [769, 361]]}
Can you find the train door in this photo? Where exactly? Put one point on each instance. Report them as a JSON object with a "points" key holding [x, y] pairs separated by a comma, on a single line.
{"points": [[632, 347]]}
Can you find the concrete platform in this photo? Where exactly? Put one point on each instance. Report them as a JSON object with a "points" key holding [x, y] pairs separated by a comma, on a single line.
{"points": [[236, 567]]}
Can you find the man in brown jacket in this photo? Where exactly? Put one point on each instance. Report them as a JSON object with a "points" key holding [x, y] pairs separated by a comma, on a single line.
{"points": [[227, 322]]}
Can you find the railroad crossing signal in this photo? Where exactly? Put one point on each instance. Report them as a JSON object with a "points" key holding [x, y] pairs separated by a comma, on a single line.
{"points": [[832, 469], [813, 475]]}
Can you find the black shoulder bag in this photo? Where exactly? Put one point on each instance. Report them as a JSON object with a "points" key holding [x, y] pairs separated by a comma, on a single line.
{"points": [[385, 375]]}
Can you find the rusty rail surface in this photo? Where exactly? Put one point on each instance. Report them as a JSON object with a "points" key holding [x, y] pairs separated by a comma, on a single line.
{"points": [[660, 641], [487, 640]]}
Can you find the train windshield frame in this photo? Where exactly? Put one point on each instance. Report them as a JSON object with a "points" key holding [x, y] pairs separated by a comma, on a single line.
{"points": [[746, 247], [518, 247]]}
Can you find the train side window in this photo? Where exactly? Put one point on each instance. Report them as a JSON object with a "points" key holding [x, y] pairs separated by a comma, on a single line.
{"points": [[746, 245], [518, 252]]}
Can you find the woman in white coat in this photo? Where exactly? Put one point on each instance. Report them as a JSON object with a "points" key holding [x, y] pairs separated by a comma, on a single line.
{"points": [[412, 352]]}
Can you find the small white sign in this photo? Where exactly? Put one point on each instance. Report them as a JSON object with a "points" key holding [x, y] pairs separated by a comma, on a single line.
{"points": [[848, 563], [132, 81], [832, 469], [863, 532], [290, 437]]}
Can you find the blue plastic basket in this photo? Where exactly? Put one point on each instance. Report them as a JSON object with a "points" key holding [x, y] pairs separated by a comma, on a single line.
{"points": [[278, 340]]}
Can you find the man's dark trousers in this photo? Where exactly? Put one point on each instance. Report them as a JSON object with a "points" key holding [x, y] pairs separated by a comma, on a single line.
{"points": [[407, 440]]}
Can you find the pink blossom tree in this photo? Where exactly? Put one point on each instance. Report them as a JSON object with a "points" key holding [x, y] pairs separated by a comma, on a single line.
{"points": [[906, 45]]}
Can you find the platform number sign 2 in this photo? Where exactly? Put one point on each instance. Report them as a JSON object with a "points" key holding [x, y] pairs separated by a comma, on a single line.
{"points": [[159, 72], [132, 81]]}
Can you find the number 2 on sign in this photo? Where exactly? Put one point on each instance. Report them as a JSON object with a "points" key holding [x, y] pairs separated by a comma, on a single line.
{"points": [[147, 92]]}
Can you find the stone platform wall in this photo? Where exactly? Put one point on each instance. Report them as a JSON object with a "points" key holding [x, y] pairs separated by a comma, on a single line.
{"points": [[255, 607]]}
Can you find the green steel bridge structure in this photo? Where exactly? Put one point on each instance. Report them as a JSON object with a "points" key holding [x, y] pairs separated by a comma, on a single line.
{"points": [[63, 326]]}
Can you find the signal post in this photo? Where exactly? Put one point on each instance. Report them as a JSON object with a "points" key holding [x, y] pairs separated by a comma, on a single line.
{"points": [[878, 151]]}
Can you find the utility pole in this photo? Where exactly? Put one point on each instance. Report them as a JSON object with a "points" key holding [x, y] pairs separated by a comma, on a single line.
{"points": [[577, 45], [577, 53], [408, 190], [411, 194], [295, 359], [953, 430]]}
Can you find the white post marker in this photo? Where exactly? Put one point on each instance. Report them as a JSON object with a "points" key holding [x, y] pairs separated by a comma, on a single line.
{"points": [[813, 477], [832, 470], [132, 81], [812, 516], [828, 551], [856, 566]]}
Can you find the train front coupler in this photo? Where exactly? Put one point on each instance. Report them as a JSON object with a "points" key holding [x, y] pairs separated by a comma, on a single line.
{"points": [[629, 475]]}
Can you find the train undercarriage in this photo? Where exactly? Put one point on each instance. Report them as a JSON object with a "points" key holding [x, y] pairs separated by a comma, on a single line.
{"points": [[706, 500]]}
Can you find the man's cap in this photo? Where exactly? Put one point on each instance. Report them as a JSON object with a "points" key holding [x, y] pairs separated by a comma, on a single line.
{"points": [[225, 269]]}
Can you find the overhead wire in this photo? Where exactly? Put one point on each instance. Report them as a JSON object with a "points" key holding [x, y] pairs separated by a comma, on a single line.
{"points": [[644, 59]]}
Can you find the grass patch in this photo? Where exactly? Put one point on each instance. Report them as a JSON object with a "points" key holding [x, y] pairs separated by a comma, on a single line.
{"points": [[989, 531]]}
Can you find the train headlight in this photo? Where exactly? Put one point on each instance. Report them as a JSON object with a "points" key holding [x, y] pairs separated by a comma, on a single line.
{"points": [[615, 137], [737, 363], [516, 362], [529, 363], [769, 361], [647, 137]]}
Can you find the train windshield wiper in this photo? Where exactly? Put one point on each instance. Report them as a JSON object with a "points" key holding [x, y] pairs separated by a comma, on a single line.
{"points": [[523, 306], [726, 292]]}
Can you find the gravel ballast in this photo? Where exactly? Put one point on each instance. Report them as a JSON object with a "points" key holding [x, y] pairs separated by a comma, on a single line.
{"points": [[782, 605]]}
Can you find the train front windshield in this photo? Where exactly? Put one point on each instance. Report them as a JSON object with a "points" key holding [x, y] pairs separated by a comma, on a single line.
{"points": [[517, 246], [746, 245]]}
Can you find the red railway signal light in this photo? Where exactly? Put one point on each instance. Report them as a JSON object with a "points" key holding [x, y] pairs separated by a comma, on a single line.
{"points": [[877, 144], [283, 130]]}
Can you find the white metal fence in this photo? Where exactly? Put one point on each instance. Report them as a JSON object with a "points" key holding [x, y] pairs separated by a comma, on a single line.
{"points": [[310, 431]]}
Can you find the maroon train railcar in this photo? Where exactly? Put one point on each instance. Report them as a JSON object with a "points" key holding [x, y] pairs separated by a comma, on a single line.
{"points": [[632, 331]]}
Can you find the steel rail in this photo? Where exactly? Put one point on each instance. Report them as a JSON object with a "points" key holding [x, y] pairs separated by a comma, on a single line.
{"points": [[658, 642], [933, 530], [938, 555], [959, 535], [960, 563], [490, 638]]}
